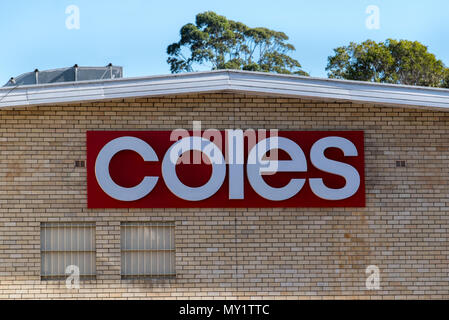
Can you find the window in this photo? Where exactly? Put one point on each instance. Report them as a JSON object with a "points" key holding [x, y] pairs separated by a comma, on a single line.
{"points": [[148, 249], [65, 244]]}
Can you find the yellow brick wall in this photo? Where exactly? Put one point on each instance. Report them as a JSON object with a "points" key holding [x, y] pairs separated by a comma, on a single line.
{"points": [[235, 253]]}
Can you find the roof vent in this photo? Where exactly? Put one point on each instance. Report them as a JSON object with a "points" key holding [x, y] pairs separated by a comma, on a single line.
{"points": [[75, 73]]}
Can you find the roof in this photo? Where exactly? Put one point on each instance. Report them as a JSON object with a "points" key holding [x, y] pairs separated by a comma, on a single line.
{"points": [[228, 81]]}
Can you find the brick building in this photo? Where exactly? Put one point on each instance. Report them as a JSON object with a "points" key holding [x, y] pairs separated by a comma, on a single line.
{"points": [[276, 252]]}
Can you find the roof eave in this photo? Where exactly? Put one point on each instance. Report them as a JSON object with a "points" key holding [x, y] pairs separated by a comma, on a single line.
{"points": [[230, 81]]}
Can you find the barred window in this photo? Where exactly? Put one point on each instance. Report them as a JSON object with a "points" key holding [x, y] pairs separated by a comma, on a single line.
{"points": [[147, 249], [65, 244]]}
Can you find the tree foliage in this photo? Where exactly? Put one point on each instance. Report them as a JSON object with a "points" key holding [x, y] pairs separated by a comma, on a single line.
{"points": [[391, 61], [220, 43], [445, 83]]}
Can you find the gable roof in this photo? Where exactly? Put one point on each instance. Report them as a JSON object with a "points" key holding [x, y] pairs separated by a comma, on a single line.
{"points": [[229, 81]]}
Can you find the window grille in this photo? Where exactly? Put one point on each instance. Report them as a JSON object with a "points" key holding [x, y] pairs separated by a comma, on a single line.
{"points": [[147, 249], [64, 244]]}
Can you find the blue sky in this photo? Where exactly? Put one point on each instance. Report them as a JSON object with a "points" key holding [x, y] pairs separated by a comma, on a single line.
{"points": [[135, 33]]}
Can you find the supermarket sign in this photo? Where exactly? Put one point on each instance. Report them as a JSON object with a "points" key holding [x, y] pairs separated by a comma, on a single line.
{"points": [[225, 169]]}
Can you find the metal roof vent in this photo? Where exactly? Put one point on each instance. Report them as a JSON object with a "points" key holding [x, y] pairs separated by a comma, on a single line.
{"points": [[74, 73]]}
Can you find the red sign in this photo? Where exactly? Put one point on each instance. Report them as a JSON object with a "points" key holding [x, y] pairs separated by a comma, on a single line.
{"points": [[233, 169]]}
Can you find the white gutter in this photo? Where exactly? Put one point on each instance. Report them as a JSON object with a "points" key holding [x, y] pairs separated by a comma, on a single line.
{"points": [[225, 80]]}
